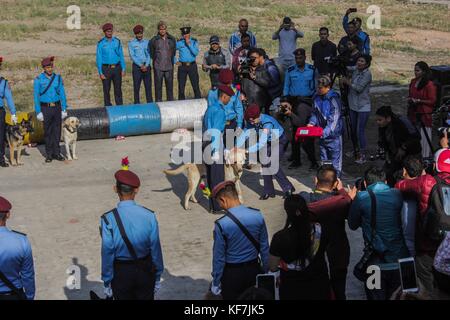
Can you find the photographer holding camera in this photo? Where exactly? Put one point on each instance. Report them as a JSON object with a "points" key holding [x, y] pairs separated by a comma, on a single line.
{"points": [[295, 113], [287, 36], [256, 80]]}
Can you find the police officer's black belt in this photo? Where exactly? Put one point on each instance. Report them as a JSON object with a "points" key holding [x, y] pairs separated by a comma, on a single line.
{"points": [[187, 64], [10, 285], [51, 104], [144, 259], [112, 66], [244, 230], [242, 264]]}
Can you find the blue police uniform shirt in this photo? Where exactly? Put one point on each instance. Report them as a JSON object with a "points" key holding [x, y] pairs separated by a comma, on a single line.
{"points": [[139, 53], [214, 120], [55, 93], [109, 52], [141, 227], [232, 246], [234, 110], [16, 262], [268, 129], [300, 82], [6, 94], [187, 54]]}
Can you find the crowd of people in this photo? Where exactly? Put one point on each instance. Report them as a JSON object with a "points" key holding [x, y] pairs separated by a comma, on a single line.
{"points": [[403, 208]]}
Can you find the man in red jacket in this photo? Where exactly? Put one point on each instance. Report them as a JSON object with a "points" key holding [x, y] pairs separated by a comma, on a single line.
{"points": [[329, 205], [420, 187]]}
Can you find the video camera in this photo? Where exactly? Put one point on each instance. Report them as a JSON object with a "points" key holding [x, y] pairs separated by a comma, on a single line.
{"points": [[246, 66], [338, 65]]}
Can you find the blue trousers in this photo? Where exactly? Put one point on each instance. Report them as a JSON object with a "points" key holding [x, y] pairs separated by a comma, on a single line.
{"points": [[281, 178], [359, 122], [331, 150]]}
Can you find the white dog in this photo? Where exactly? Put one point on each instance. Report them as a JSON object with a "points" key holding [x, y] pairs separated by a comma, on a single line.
{"points": [[70, 135]]}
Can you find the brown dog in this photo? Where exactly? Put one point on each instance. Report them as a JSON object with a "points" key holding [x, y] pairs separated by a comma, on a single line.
{"points": [[233, 171]]}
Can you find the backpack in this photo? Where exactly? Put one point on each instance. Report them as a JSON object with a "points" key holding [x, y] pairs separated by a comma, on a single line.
{"points": [[437, 218]]}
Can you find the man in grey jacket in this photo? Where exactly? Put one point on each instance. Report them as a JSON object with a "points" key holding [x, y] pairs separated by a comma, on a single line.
{"points": [[215, 59], [359, 103]]}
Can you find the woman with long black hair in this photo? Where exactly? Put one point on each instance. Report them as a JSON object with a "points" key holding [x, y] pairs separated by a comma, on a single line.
{"points": [[421, 102], [297, 252]]}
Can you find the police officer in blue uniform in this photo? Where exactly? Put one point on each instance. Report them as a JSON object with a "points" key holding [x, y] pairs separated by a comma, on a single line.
{"points": [[110, 64], [5, 94], [16, 260], [299, 79], [140, 55], [50, 105], [268, 132], [132, 261], [327, 115], [187, 53], [240, 244], [214, 122]]}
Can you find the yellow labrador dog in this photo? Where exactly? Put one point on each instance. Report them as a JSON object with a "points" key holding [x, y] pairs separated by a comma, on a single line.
{"points": [[70, 136], [234, 162]]}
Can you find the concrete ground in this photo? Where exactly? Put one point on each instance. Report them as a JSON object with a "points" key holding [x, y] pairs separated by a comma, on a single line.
{"points": [[59, 206]]}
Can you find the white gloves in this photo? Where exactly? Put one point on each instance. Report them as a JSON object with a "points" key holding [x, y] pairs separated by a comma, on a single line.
{"points": [[14, 119], [215, 290], [157, 286], [40, 116], [108, 291], [226, 155], [63, 114], [215, 157]]}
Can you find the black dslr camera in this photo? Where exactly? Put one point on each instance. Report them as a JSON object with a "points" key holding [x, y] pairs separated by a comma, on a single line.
{"points": [[246, 66], [338, 65]]}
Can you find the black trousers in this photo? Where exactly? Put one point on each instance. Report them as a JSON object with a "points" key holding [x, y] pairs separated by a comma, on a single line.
{"points": [[13, 296], [138, 77], [114, 75], [307, 145], [215, 174], [168, 80], [52, 129], [2, 134], [191, 71], [133, 281], [236, 279]]}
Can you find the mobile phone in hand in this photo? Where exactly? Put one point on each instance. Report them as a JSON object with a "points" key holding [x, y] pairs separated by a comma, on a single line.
{"points": [[408, 275]]}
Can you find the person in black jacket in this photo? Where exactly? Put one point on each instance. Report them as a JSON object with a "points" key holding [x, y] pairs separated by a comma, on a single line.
{"points": [[256, 82], [162, 49], [294, 113], [399, 138]]}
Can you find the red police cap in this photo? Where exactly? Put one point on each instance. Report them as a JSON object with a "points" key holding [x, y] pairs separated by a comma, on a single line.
{"points": [[47, 62], [226, 89], [128, 177], [138, 29], [107, 26], [221, 186], [226, 76], [5, 205], [252, 112]]}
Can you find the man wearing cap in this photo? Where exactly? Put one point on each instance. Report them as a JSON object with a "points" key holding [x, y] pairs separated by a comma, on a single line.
{"points": [[140, 55], [162, 51], [269, 133], [236, 38], [132, 261], [234, 110], [5, 94], [110, 65], [299, 79], [363, 36], [327, 115], [214, 122], [287, 36], [215, 60], [188, 51], [240, 243], [50, 105], [16, 260]]}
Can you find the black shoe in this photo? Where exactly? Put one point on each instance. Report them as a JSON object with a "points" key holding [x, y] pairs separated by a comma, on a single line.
{"points": [[288, 193], [314, 166], [266, 196], [4, 164], [58, 157], [295, 164], [48, 159]]}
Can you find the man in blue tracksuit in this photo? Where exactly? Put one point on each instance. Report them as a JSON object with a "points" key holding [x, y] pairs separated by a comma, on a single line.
{"points": [[327, 115], [363, 36]]}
